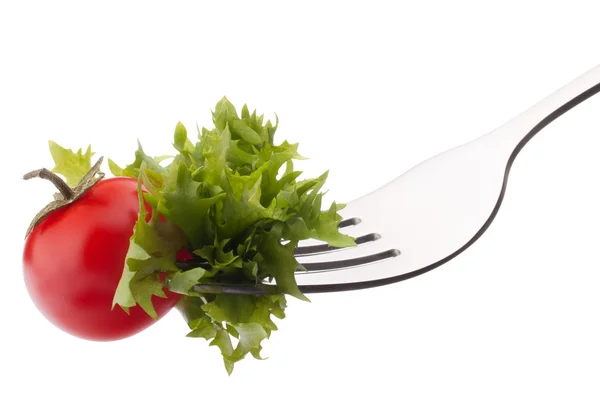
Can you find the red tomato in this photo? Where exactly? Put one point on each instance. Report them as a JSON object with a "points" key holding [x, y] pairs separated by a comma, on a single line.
{"points": [[73, 261]]}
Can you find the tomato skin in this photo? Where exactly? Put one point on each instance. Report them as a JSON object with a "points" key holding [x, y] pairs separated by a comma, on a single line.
{"points": [[73, 261]]}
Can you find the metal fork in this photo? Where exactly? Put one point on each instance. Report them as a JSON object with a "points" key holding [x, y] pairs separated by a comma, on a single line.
{"points": [[430, 214]]}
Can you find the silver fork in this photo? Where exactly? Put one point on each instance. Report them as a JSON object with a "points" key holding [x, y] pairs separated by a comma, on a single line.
{"points": [[430, 214]]}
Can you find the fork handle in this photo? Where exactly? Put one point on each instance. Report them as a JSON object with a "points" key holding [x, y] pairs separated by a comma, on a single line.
{"points": [[514, 134]]}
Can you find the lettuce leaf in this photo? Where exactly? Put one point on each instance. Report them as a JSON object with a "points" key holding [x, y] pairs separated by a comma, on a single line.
{"points": [[72, 165], [230, 198]]}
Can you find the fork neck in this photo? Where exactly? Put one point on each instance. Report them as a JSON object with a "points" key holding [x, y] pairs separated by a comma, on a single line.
{"points": [[514, 134]]}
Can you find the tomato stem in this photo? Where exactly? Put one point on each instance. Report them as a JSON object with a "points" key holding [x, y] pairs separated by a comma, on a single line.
{"points": [[67, 194], [64, 189]]}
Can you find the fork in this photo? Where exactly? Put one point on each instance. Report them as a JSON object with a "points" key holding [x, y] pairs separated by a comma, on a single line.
{"points": [[430, 214]]}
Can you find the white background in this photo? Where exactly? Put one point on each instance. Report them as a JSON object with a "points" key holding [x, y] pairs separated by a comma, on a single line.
{"points": [[369, 89]]}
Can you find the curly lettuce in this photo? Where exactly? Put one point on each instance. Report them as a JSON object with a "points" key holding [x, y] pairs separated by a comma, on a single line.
{"points": [[231, 200]]}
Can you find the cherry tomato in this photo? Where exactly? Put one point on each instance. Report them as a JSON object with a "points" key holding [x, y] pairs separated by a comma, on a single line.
{"points": [[73, 261]]}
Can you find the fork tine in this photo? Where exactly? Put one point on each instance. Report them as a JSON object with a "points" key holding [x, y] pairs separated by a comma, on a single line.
{"points": [[323, 248], [328, 266], [316, 267], [315, 249], [352, 221], [325, 266]]}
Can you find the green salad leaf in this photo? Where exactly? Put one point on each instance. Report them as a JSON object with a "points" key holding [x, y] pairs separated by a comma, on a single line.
{"points": [[232, 201], [72, 165]]}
